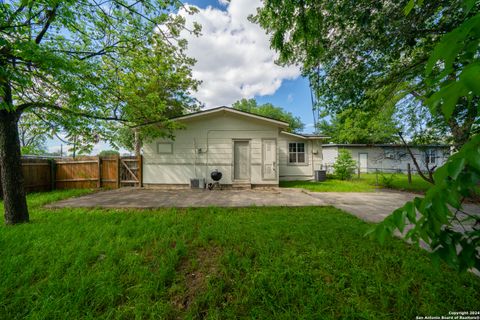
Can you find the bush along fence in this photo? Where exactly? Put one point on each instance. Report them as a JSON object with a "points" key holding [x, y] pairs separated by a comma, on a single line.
{"points": [[43, 174]]}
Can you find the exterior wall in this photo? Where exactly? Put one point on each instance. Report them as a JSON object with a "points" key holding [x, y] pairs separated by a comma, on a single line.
{"points": [[313, 159], [206, 144], [329, 157], [387, 159]]}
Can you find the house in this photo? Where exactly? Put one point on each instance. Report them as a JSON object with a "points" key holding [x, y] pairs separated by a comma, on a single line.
{"points": [[248, 149], [251, 150], [387, 157]]}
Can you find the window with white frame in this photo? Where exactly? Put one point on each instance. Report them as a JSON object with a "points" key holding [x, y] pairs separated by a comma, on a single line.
{"points": [[296, 152], [430, 156]]}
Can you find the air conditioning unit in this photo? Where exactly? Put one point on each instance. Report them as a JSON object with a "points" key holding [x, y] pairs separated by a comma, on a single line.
{"points": [[197, 183]]}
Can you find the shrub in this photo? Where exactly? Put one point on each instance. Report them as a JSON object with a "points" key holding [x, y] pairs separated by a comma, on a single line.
{"points": [[108, 153], [344, 166], [386, 180]]}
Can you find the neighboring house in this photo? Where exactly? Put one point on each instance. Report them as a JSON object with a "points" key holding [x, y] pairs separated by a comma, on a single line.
{"points": [[388, 157], [247, 149]]}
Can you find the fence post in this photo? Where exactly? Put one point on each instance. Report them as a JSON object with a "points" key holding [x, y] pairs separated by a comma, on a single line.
{"points": [[118, 171], [99, 182], [409, 173], [376, 178], [140, 171], [53, 175], [358, 169]]}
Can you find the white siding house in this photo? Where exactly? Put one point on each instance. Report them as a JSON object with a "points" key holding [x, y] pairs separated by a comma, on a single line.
{"points": [[247, 149], [295, 165], [387, 157], [251, 150]]}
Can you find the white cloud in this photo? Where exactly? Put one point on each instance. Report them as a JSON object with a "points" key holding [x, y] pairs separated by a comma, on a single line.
{"points": [[234, 59], [290, 97]]}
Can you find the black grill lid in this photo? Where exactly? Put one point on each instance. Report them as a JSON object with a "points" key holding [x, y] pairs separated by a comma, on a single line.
{"points": [[216, 175]]}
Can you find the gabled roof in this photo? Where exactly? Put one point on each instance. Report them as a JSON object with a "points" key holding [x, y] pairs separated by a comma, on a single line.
{"points": [[226, 110]]}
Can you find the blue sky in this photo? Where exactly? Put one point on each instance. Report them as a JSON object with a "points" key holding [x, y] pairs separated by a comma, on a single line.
{"points": [[293, 96], [234, 61], [225, 28]]}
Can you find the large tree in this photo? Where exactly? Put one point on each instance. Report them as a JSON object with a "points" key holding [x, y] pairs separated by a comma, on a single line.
{"points": [[270, 111], [58, 59], [366, 54], [360, 126], [360, 53], [157, 91]]}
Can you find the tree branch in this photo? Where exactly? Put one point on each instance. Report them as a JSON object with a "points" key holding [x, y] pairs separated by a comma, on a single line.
{"points": [[12, 17], [103, 51], [29, 105], [428, 179], [51, 15]]}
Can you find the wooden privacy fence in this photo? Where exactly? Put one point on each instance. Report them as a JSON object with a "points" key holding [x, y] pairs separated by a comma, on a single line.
{"points": [[81, 172], [37, 175]]}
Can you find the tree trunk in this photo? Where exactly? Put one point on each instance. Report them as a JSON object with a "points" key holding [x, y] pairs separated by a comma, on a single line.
{"points": [[14, 200]]}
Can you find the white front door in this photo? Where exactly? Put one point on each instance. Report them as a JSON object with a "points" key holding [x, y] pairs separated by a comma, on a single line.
{"points": [[269, 159], [363, 162], [241, 161]]}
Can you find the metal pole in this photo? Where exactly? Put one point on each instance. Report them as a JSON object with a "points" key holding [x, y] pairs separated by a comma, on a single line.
{"points": [[409, 173], [99, 181]]}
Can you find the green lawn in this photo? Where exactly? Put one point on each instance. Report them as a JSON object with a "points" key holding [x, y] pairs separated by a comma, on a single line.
{"points": [[263, 263], [367, 182]]}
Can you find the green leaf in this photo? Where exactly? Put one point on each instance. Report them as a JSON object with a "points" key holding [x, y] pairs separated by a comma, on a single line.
{"points": [[453, 199], [471, 77], [450, 46], [466, 257], [408, 8], [455, 167], [447, 97], [441, 173], [411, 211], [440, 210], [381, 233], [474, 159], [469, 4], [399, 218]]}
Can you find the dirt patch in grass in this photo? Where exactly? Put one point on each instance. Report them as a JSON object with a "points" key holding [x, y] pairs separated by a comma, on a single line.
{"points": [[194, 270]]}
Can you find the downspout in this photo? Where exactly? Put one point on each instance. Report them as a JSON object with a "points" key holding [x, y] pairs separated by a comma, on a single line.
{"points": [[313, 163], [195, 159]]}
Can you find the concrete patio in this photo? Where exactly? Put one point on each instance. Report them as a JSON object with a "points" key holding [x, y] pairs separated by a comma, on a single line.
{"points": [[369, 206]]}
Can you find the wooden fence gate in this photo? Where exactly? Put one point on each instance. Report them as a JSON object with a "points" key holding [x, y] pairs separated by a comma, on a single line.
{"points": [[42, 174], [131, 172]]}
